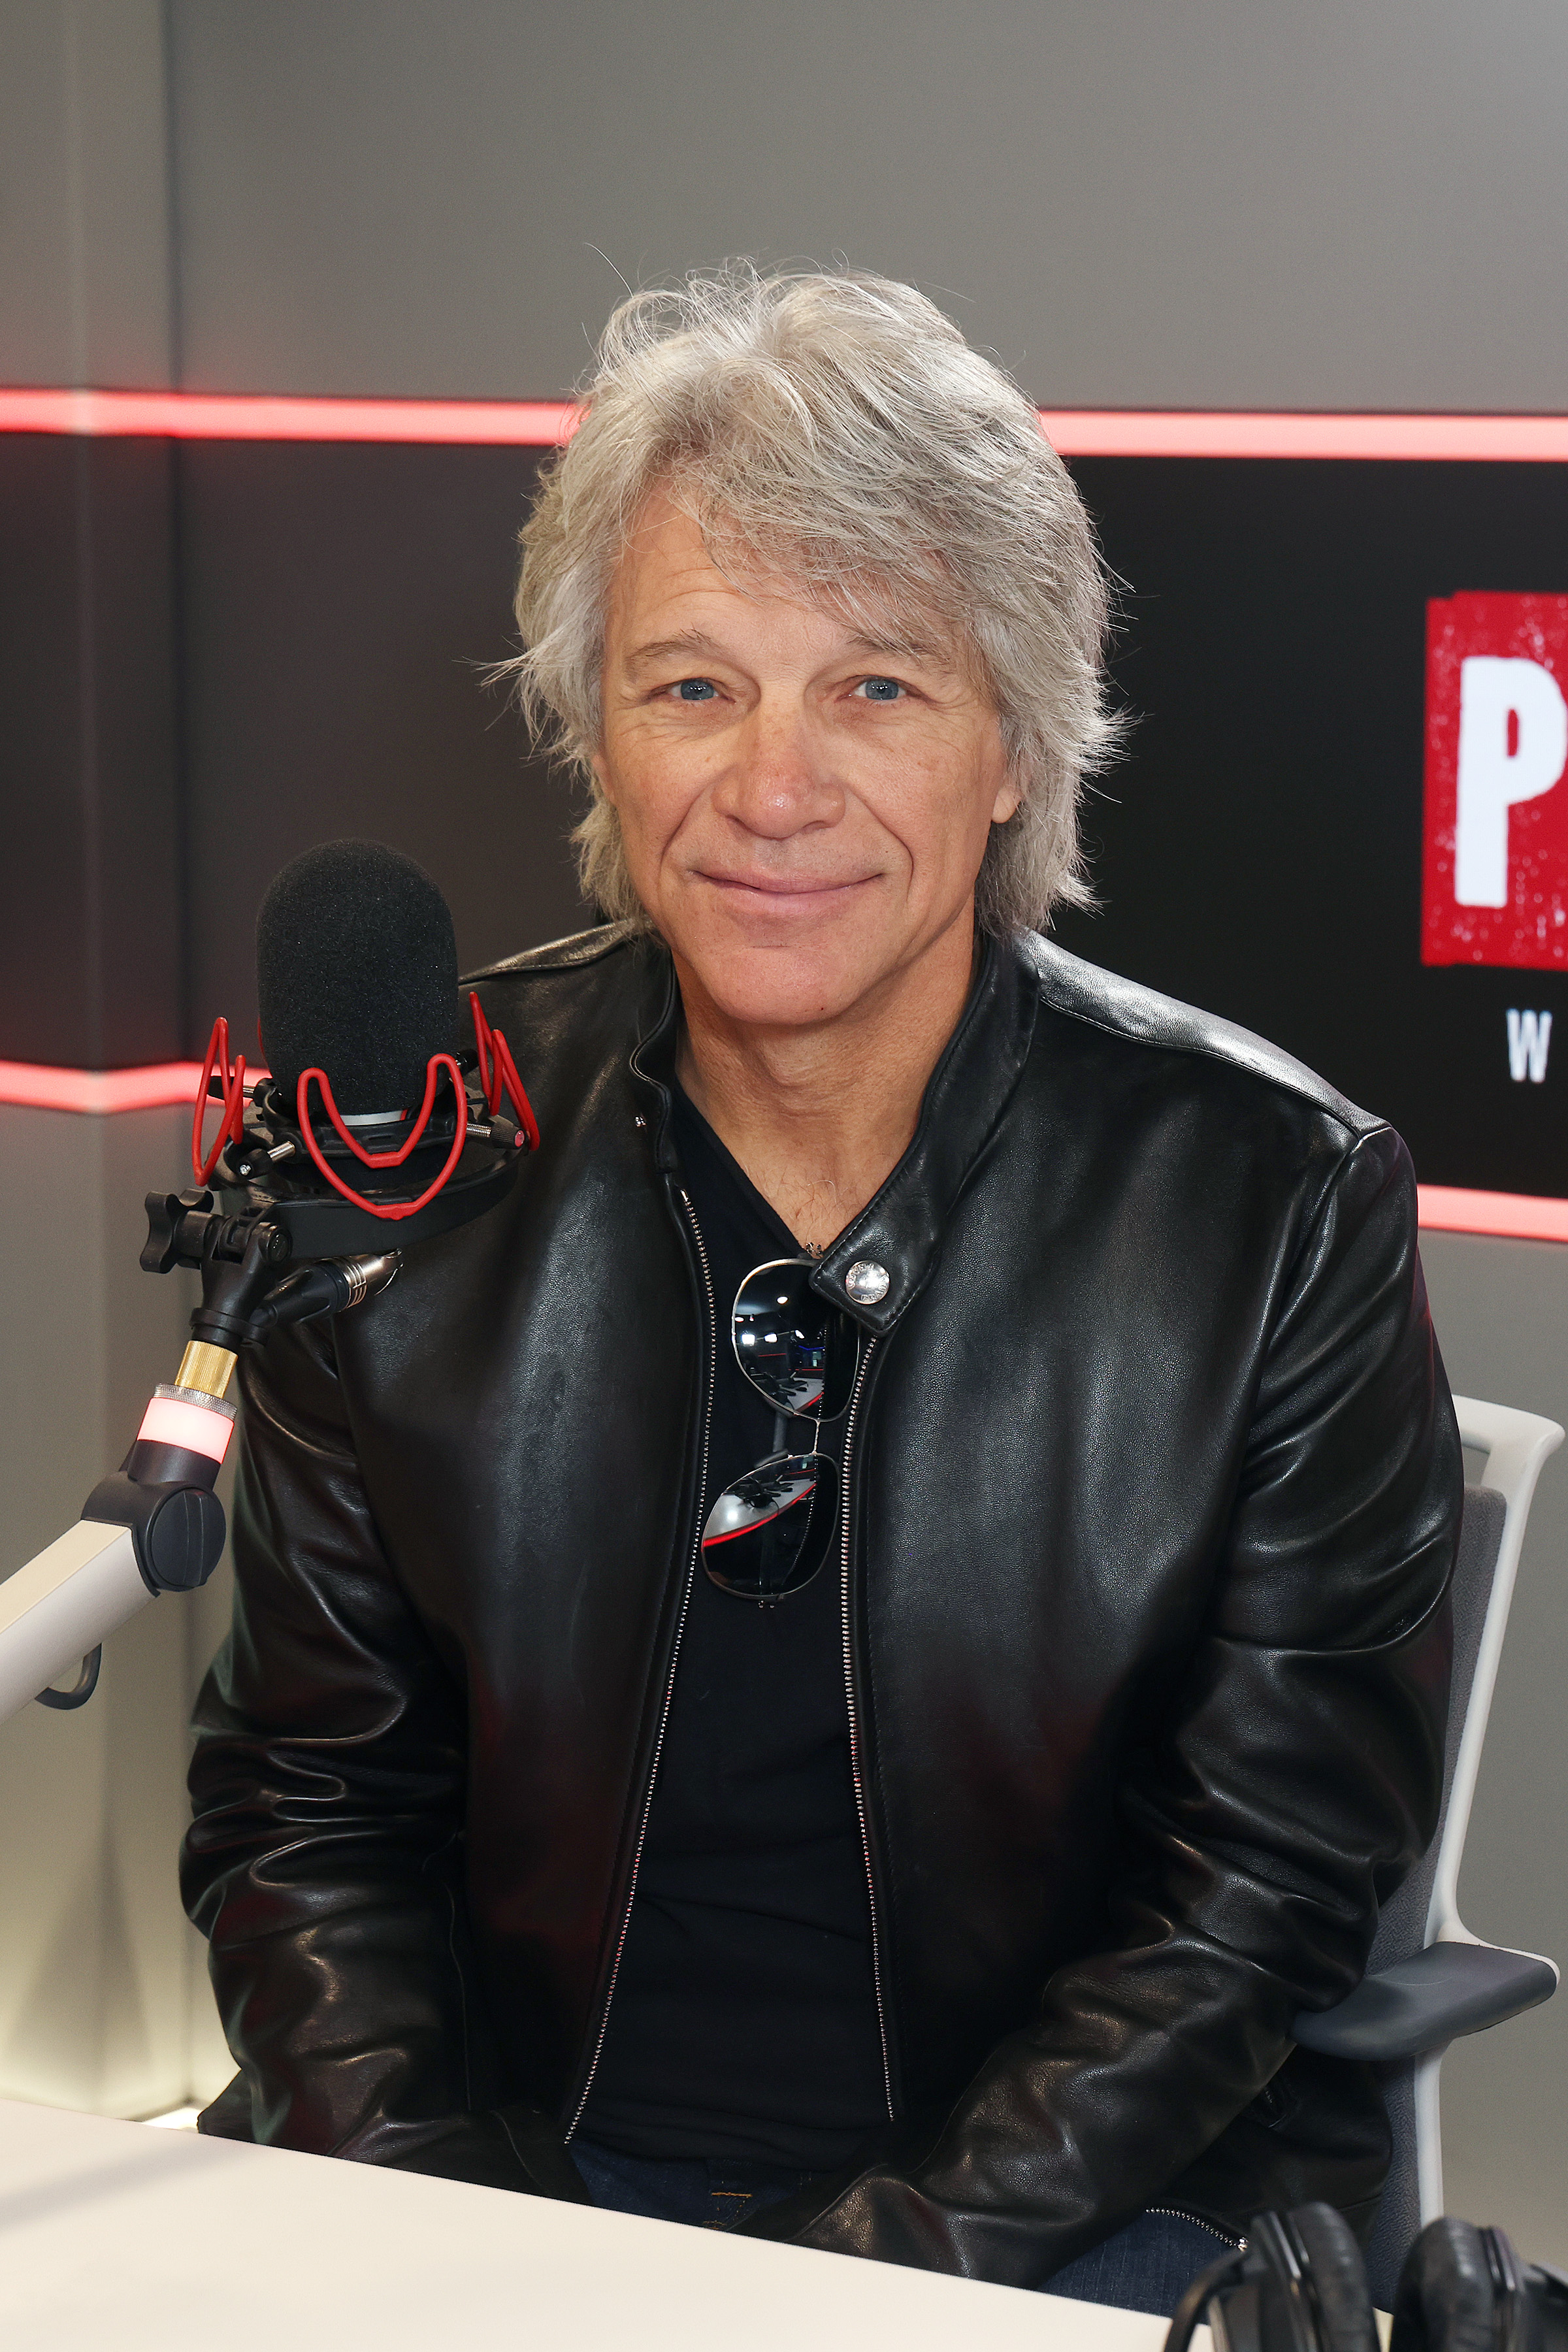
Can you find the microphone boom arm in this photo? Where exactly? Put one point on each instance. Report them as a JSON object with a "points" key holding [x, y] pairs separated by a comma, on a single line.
{"points": [[270, 1250], [155, 1526]]}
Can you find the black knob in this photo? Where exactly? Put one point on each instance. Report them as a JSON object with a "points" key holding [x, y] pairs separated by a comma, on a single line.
{"points": [[166, 1214], [183, 1539]]}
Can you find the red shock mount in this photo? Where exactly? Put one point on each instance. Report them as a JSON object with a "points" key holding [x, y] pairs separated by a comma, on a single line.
{"points": [[498, 1075], [231, 1079], [497, 1070]]}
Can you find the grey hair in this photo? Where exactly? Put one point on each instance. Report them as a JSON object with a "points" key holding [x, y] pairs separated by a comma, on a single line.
{"points": [[839, 430]]}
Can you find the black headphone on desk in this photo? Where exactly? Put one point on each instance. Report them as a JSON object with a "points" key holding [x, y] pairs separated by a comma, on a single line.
{"points": [[1464, 2289], [1298, 2285]]}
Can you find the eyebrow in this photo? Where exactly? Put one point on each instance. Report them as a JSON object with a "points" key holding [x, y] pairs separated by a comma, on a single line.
{"points": [[698, 643], [691, 640]]}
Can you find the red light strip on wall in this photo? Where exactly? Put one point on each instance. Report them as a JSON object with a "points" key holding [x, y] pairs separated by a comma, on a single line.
{"points": [[1444, 1209], [1130, 432], [223, 416], [539, 424], [38, 1087], [1506, 1217]]}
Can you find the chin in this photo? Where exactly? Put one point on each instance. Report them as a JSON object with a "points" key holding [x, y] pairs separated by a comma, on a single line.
{"points": [[780, 987]]}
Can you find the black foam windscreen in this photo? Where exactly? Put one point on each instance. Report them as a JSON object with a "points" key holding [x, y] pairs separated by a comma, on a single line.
{"points": [[356, 972]]}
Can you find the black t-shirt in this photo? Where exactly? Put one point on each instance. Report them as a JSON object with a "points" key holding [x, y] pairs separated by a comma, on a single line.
{"points": [[744, 2023]]}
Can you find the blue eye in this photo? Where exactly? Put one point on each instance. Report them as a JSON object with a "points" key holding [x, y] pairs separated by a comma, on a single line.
{"points": [[697, 689], [881, 689]]}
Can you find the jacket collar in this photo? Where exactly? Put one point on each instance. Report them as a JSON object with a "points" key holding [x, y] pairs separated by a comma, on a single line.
{"points": [[899, 1233]]}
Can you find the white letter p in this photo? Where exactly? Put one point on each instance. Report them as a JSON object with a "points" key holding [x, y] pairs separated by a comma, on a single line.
{"points": [[1493, 774]]}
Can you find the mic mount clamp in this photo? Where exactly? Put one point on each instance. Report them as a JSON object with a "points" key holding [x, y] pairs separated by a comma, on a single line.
{"points": [[239, 1259], [250, 1281]]}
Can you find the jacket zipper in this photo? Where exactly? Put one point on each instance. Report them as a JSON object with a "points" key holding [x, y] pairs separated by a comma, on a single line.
{"points": [[1177, 2214], [674, 1662], [857, 1773]]}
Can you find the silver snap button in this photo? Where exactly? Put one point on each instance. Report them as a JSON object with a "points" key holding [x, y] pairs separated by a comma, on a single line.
{"points": [[867, 1282]]}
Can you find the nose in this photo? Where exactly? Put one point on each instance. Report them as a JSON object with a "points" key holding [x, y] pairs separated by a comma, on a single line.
{"points": [[780, 781]]}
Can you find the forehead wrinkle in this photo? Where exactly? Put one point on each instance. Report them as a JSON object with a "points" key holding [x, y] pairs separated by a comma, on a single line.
{"points": [[772, 570]]}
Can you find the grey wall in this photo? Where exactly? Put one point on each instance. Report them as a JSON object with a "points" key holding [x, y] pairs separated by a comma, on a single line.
{"points": [[1219, 203], [1212, 204], [86, 274]]}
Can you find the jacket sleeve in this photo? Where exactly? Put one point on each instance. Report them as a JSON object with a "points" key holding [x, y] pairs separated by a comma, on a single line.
{"points": [[322, 1859], [1295, 1778]]}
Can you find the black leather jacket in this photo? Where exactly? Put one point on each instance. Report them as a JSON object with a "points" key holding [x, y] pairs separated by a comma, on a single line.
{"points": [[1153, 1484]]}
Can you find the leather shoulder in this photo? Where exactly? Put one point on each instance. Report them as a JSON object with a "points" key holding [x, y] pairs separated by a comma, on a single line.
{"points": [[1142, 1016], [561, 955], [583, 1002]]}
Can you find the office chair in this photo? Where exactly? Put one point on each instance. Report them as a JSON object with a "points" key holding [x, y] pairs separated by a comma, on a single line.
{"points": [[1428, 1979]]}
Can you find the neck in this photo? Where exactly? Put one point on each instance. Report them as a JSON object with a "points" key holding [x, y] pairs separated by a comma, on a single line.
{"points": [[819, 1115]]}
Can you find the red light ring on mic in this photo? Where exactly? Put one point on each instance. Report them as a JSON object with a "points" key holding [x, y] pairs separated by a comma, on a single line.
{"points": [[391, 1210], [497, 1070], [168, 1422], [231, 1077]]}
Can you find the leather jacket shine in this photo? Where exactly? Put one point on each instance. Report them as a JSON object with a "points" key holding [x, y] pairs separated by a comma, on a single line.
{"points": [[1152, 1488]]}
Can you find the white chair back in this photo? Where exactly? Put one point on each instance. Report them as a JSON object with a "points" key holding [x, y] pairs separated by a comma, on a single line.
{"points": [[1425, 1908]]}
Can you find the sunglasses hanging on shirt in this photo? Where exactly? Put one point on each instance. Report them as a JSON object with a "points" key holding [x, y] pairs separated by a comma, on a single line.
{"points": [[769, 1532]]}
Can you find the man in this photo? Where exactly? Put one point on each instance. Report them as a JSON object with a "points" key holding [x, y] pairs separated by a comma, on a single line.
{"points": [[850, 1659]]}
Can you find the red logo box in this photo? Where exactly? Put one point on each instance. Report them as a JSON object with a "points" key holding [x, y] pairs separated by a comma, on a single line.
{"points": [[1495, 873]]}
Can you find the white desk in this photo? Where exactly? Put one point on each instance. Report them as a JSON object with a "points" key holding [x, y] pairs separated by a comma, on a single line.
{"points": [[120, 2239]]}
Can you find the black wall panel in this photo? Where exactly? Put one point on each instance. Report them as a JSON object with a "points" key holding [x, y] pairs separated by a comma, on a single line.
{"points": [[1259, 852], [90, 928], [340, 602], [319, 617]]}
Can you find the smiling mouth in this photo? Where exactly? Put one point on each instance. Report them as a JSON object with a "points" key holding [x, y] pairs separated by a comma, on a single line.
{"points": [[760, 886]]}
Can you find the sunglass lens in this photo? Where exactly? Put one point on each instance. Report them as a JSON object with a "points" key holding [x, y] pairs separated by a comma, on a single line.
{"points": [[770, 1532], [794, 1347]]}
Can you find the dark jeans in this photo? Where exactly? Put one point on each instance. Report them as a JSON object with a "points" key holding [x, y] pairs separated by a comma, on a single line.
{"points": [[1147, 2266], [712, 2194]]}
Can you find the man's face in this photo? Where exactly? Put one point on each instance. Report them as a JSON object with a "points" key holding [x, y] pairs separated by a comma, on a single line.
{"points": [[804, 809]]}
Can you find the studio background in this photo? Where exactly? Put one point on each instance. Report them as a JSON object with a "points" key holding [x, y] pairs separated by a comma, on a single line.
{"points": [[212, 655]]}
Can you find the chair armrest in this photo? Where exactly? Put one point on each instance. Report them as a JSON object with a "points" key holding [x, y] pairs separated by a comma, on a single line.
{"points": [[1428, 2001]]}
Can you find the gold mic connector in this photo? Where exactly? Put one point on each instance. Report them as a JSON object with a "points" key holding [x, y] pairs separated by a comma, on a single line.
{"points": [[207, 1368]]}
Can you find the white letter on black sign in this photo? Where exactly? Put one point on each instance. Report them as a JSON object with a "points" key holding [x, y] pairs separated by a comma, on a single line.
{"points": [[1529, 1041], [1513, 740]]}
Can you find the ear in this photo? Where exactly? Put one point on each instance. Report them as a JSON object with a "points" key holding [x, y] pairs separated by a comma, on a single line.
{"points": [[1009, 800]]}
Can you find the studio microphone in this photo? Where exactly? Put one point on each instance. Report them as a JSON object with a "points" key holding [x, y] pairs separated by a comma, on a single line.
{"points": [[356, 972], [373, 1127], [373, 1116]]}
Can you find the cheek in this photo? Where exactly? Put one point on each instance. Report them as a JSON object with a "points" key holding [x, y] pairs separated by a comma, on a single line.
{"points": [[940, 807], [652, 788]]}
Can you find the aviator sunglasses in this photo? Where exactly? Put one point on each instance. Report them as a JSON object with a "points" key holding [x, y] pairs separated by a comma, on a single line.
{"points": [[769, 1532]]}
